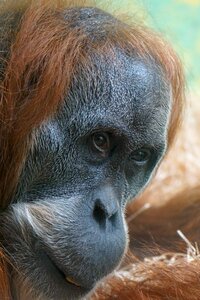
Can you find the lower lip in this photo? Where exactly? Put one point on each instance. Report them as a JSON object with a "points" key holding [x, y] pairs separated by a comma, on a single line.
{"points": [[71, 281], [74, 288]]}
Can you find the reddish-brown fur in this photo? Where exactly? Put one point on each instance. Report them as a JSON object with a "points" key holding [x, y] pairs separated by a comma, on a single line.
{"points": [[153, 281], [30, 94], [4, 282]]}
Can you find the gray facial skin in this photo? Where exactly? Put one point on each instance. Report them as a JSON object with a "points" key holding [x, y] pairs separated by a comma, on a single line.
{"points": [[68, 212]]}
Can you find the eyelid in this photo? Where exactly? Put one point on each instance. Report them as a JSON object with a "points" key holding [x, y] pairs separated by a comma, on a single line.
{"points": [[117, 130], [142, 161], [107, 139], [101, 155]]}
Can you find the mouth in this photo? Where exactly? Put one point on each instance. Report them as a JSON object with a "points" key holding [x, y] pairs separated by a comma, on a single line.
{"points": [[68, 280], [72, 281], [65, 280]]}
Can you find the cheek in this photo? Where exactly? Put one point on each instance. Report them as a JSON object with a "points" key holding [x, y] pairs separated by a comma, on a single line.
{"points": [[137, 178], [73, 239]]}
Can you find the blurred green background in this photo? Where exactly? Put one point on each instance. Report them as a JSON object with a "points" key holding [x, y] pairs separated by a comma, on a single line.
{"points": [[178, 21]]}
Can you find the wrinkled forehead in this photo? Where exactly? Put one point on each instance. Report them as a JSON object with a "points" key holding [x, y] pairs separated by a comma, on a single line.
{"points": [[130, 90], [120, 79], [138, 82]]}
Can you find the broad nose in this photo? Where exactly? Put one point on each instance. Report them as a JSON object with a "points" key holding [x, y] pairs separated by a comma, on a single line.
{"points": [[106, 205]]}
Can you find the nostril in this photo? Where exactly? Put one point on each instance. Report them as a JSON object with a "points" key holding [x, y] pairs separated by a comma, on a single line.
{"points": [[112, 218], [99, 214], [105, 212]]}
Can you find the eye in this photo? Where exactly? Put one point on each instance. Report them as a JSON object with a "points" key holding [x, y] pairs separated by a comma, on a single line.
{"points": [[141, 156], [101, 142]]}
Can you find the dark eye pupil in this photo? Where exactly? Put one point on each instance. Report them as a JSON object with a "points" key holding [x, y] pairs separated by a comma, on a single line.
{"points": [[141, 155], [101, 141]]}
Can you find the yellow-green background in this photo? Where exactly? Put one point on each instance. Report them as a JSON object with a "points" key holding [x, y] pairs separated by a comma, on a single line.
{"points": [[179, 21]]}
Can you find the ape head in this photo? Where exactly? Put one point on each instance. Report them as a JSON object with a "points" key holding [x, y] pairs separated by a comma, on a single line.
{"points": [[92, 108]]}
